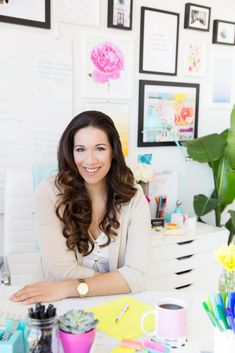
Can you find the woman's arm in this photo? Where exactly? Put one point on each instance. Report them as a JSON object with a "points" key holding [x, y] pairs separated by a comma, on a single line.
{"points": [[101, 284], [131, 277]]}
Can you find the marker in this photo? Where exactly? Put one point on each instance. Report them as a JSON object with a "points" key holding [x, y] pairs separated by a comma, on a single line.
{"points": [[158, 347], [212, 318], [122, 312], [222, 317], [231, 319], [221, 303], [231, 302], [214, 306]]}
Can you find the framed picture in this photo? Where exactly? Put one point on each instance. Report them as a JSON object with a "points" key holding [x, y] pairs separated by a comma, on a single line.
{"points": [[119, 111], [221, 91], [197, 17], [223, 32], [159, 32], [107, 66], [194, 59], [120, 14], [168, 112], [81, 12], [34, 13]]}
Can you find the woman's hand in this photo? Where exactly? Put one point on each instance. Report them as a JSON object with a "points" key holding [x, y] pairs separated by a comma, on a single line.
{"points": [[45, 291]]}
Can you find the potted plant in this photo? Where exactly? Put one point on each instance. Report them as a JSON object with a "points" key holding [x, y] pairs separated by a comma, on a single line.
{"points": [[77, 329], [218, 150]]}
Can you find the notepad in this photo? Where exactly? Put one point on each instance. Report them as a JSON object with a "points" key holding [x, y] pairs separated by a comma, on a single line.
{"points": [[129, 325]]}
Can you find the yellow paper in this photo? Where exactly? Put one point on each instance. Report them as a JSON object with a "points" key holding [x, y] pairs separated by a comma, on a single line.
{"points": [[129, 325]]}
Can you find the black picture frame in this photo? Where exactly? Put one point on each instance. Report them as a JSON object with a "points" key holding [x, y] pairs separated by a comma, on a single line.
{"points": [[6, 16], [120, 14], [197, 17], [163, 121], [159, 33], [223, 32]]}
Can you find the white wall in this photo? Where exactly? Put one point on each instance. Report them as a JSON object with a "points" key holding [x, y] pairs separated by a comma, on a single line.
{"points": [[193, 178]]}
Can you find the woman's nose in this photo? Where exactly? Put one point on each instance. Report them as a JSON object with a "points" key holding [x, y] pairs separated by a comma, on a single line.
{"points": [[90, 158]]}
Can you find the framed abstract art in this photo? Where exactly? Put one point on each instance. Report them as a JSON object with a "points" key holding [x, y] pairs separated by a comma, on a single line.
{"points": [[168, 112]]}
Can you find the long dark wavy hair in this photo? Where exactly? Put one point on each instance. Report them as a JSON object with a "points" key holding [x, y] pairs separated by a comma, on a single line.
{"points": [[73, 205]]}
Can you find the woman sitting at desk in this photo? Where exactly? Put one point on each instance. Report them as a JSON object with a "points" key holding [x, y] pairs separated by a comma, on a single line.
{"points": [[92, 220]]}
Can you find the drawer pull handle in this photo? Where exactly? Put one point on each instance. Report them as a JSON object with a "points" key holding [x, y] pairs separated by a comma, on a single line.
{"points": [[182, 272], [185, 242], [184, 257], [185, 286]]}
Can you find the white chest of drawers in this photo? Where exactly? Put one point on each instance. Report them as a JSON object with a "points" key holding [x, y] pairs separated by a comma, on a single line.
{"points": [[186, 262]]}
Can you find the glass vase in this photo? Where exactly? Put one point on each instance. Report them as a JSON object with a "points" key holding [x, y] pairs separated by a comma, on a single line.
{"points": [[227, 281]]}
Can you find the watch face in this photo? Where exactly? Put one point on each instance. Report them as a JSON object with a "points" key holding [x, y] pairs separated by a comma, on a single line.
{"points": [[82, 288]]}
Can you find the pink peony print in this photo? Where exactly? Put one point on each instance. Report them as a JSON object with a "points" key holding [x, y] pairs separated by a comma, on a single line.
{"points": [[109, 62]]}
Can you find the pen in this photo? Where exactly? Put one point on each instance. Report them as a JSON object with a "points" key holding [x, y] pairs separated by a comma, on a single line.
{"points": [[222, 317], [122, 312]]}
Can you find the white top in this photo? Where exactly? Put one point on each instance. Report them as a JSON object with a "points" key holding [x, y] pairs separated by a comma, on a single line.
{"points": [[98, 259]]}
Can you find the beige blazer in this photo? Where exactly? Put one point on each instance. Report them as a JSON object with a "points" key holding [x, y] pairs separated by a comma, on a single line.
{"points": [[129, 253]]}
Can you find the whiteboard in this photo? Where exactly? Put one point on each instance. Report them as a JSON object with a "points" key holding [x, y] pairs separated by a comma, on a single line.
{"points": [[35, 98]]}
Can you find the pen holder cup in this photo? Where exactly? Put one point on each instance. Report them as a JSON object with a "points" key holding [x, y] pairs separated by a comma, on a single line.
{"points": [[157, 222], [15, 344], [41, 335], [224, 342]]}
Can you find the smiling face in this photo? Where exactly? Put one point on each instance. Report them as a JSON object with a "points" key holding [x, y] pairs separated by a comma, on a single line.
{"points": [[92, 155]]}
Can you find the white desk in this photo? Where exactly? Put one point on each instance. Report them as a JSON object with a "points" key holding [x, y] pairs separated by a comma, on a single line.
{"points": [[200, 332]]}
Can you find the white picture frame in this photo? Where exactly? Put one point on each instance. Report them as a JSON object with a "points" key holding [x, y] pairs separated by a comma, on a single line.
{"points": [[221, 93], [119, 112], [194, 59], [81, 12], [104, 78]]}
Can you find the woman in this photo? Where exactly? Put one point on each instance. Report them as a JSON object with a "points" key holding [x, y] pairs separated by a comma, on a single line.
{"points": [[92, 220]]}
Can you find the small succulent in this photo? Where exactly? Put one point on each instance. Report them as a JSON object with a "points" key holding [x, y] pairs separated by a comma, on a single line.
{"points": [[77, 321]]}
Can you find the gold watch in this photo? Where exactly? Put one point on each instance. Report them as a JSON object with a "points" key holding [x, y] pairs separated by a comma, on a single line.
{"points": [[82, 288]]}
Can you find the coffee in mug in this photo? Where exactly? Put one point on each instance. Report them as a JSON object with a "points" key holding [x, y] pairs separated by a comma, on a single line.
{"points": [[170, 321]]}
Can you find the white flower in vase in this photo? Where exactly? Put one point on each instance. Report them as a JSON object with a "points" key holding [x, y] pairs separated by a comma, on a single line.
{"points": [[143, 174]]}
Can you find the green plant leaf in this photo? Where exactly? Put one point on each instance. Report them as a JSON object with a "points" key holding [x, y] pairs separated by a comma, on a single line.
{"points": [[230, 147], [207, 148], [224, 177], [203, 204], [230, 225]]}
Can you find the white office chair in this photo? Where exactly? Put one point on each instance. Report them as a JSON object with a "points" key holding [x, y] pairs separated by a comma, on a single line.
{"points": [[20, 245]]}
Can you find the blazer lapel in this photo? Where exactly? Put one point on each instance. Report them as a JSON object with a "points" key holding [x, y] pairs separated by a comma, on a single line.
{"points": [[114, 247]]}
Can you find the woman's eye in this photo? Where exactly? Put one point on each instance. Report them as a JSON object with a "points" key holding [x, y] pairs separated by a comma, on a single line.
{"points": [[80, 149], [100, 148]]}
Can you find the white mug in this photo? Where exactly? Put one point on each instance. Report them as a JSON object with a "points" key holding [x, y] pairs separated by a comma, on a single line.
{"points": [[170, 320]]}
